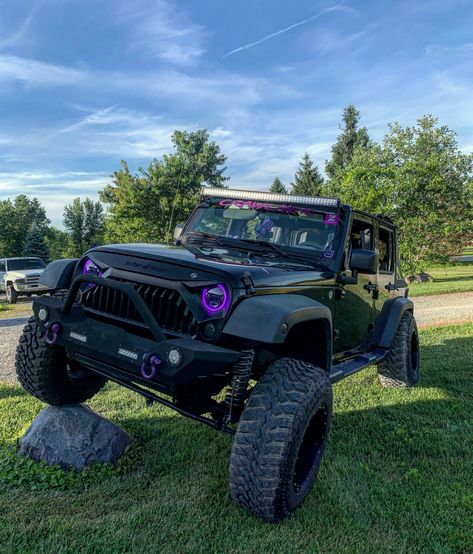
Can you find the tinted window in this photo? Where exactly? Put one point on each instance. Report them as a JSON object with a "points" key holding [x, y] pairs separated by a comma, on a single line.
{"points": [[386, 250], [2, 265], [26, 263]]}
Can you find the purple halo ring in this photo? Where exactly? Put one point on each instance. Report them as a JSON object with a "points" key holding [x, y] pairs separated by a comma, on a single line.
{"points": [[214, 309], [89, 264]]}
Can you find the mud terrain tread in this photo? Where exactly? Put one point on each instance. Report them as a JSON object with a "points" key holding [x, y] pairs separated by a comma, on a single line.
{"points": [[395, 370], [42, 371], [269, 432]]}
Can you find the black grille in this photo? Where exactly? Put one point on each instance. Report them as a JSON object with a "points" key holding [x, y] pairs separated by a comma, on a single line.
{"points": [[167, 306]]}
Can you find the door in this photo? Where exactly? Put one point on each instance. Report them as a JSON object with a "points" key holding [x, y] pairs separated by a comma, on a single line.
{"points": [[387, 279], [3, 272], [354, 314]]}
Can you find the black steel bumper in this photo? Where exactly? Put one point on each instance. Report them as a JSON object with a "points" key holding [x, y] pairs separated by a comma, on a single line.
{"points": [[110, 349]]}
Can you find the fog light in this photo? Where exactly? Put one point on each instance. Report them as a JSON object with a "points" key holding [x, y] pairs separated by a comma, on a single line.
{"points": [[43, 314], [209, 330], [174, 357]]}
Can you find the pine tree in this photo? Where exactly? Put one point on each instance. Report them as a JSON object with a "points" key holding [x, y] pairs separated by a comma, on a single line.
{"points": [[277, 187], [35, 244], [307, 180], [350, 138]]}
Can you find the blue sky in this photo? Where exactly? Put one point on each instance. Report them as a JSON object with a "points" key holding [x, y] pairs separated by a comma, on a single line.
{"points": [[85, 83]]}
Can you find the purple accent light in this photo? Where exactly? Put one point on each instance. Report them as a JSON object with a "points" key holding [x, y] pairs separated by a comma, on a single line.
{"points": [[223, 304], [90, 268]]}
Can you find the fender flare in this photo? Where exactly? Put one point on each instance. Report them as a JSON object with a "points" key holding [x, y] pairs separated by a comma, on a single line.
{"points": [[58, 274], [388, 320], [260, 318]]}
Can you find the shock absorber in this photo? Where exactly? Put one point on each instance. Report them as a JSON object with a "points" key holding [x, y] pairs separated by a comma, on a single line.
{"points": [[241, 373]]}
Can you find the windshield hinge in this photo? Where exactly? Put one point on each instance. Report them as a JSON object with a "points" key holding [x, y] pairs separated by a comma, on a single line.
{"points": [[248, 283]]}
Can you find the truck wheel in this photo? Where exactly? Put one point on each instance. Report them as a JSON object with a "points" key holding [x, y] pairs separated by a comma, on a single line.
{"points": [[12, 295], [401, 367], [280, 439], [43, 371]]}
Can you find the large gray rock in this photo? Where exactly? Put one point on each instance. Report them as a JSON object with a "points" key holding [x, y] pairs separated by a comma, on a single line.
{"points": [[73, 436]]}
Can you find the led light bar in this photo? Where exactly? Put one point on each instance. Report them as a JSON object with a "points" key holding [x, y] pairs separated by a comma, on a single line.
{"points": [[269, 197]]}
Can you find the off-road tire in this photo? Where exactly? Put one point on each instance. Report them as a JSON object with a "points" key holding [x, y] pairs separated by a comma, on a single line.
{"points": [[43, 371], [11, 294], [270, 474], [401, 367]]}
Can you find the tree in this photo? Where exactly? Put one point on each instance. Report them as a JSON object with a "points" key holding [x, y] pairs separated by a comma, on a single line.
{"points": [[35, 244], [16, 219], [277, 187], [419, 177], [84, 221], [347, 142], [307, 180], [58, 243], [147, 206]]}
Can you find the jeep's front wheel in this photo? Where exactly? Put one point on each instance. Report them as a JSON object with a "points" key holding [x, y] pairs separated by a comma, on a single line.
{"points": [[12, 295], [401, 366], [280, 439], [44, 372]]}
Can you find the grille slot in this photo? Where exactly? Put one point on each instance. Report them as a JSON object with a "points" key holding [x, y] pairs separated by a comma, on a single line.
{"points": [[167, 306]]}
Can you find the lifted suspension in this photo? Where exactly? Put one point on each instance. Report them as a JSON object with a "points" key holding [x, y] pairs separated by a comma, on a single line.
{"points": [[241, 373]]}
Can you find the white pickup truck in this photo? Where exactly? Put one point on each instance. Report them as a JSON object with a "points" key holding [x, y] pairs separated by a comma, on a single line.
{"points": [[20, 276]]}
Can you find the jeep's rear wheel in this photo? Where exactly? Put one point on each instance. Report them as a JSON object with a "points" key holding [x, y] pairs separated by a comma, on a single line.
{"points": [[280, 439], [401, 367], [11, 294], [44, 371]]}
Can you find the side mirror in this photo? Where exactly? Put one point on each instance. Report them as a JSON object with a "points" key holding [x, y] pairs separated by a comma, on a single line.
{"points": [[364, 261], [178, 230]]}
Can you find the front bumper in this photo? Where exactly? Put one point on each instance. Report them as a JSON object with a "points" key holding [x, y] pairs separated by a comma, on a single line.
{"points": [[24, 288], [111, 349]]}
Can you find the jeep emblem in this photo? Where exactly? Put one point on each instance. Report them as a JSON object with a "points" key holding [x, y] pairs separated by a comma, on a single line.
{"points": [[193, 275]]}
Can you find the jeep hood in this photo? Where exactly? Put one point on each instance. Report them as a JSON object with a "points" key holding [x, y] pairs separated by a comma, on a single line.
{"points": [[178, 263]]}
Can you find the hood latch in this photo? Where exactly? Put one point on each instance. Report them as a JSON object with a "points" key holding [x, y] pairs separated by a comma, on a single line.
{"points": [[247, 281]]}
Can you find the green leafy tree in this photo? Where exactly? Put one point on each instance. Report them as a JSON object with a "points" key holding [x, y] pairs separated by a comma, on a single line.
{"points": [[58, 243], [84, 220], [277, 187], [307, 180], [147, 206], [351, 138], [35, 244], [17, 217], [419, 177]]}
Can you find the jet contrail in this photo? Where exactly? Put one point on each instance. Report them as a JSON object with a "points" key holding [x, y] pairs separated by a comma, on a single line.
{"points": [[282, 31]]}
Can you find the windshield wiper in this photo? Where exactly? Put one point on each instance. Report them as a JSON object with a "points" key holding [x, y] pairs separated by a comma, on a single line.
{"points": [[201, 237], [266, 245]]}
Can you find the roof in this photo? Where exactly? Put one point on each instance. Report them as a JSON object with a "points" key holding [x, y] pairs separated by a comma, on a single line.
{"points": [[22, 258], [270, 197]]}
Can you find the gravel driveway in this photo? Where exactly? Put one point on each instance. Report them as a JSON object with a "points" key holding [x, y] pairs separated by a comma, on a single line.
{"points": [[429, 310]]}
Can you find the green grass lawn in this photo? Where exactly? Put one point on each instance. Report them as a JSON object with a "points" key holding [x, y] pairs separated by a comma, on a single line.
{"points": [[397, 475], [451, 278]]}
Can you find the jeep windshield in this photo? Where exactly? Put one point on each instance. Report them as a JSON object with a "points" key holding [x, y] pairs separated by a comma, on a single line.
{"points": [[265, 229], [25, 263]]}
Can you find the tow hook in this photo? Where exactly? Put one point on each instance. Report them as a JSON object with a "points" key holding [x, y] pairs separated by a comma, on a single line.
{"points": [[52, 332], [150, 365]]}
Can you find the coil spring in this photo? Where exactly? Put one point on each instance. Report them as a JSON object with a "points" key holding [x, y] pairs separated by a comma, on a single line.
{"points": [[241, 374]]}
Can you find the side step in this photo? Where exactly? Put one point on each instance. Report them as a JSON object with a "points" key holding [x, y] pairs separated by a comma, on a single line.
{"points": [[353, 365]]}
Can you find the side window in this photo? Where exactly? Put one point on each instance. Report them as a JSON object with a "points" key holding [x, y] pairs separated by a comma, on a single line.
{"points": [[2, 266], [386, 250], [361, 235]]}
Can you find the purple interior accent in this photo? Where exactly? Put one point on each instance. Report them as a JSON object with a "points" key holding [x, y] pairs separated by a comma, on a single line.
{"points": [[331, 219], [210, 309], [264, 206]]}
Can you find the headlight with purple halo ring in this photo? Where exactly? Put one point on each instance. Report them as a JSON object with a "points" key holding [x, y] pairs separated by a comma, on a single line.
{"points": [[215, 299], [91, 268]]}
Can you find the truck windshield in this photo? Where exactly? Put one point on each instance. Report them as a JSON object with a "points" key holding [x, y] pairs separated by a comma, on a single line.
{"points": [[25, 263], [292, 228]]}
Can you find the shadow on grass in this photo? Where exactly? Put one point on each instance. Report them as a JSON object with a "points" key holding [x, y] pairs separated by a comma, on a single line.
{"points": [[11, 390]]}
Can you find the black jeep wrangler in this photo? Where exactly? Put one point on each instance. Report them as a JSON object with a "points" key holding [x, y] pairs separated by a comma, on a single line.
{"points": [[264, 301]]}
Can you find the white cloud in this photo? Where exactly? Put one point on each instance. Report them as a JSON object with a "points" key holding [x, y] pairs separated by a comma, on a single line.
{"points": [[161, 30], [35, 72]]}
